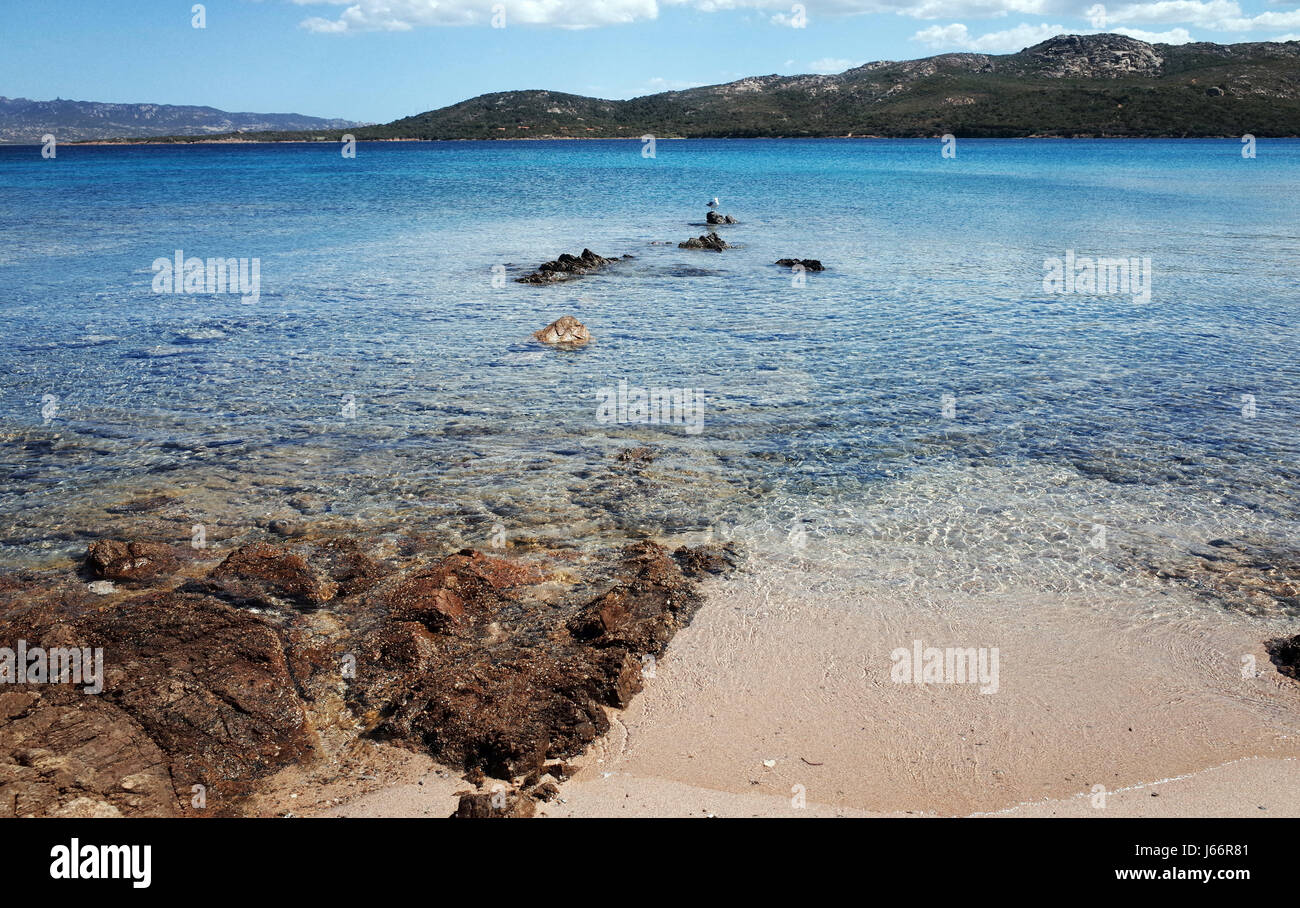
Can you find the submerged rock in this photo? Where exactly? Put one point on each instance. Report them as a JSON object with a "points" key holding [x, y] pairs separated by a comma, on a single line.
{"points": [[131, 562], [807, 264], [709, 241], [714, 558], [640, 455], [1257, 576], [565, 267], [565, 331]]}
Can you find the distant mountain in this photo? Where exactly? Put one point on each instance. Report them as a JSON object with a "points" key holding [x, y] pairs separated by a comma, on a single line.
{"points": [[1070, 85], [23, 121]]}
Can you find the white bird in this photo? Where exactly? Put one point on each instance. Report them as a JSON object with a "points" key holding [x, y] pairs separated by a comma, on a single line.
{"points": [[714, 203]]}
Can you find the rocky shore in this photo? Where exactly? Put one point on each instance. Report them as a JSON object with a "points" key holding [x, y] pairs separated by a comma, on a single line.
{"points": [[221, 668]]}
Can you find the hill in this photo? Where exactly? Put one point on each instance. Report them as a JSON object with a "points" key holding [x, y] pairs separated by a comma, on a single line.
{"points": [[23, 121], [1070, 85]]}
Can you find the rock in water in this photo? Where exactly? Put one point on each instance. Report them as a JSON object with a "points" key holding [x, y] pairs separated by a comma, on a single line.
{"points": [[714, 218], [807, 264], [565, 267], [565, 331], [709, 241]]}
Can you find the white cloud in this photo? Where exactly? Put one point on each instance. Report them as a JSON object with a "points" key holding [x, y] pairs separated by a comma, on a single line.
{"points": [[973, 9], [1126, 18], [1216, 15], [1191, 12], [1263, 20], [958, 37], [831, 65], [404, 15], [1172, 36]]}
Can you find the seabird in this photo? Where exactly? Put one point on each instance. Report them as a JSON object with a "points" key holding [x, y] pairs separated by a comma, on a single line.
{"points": [[714, 203]]}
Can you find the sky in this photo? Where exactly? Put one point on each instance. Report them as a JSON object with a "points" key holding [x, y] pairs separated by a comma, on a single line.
{"points": [[377, 60]]}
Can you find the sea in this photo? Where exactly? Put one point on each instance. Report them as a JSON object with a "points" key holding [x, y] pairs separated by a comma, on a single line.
{"points": [[937, 410]]}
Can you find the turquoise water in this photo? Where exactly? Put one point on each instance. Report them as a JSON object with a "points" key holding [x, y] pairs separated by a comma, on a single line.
{"points": [[824, 407]]}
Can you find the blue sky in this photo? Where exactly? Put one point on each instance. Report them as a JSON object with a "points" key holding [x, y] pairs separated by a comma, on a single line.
{"points": [[376, 60]]}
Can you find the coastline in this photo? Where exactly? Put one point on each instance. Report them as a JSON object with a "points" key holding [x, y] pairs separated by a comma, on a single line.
{"points": [[629, 138]]}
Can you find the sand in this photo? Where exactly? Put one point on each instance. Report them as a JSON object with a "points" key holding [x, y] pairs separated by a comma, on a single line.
{"points": [[778, 701]]}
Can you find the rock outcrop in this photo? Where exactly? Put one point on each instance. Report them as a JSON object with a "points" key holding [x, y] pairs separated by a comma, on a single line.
{"points": [[566, 267], [714, 217], [195, 692], [269, 576], [494, 679], [806, 264], [1095, 56], [709, 241], [221, 675]]}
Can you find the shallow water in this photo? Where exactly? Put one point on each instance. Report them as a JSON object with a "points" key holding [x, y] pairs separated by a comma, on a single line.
{"points": [[824, 429]]}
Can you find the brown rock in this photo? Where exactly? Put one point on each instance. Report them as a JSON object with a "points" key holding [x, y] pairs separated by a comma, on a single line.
{"points": [[195, 692], [66, 754], [644, 611], [547, 791], [482, 806], [130, 562], [443, 596], [565, 331], [714, 558], [538, 688], [268, 576]]}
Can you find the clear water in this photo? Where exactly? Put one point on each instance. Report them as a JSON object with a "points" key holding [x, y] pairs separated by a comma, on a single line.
{"points": [[824, 402]]}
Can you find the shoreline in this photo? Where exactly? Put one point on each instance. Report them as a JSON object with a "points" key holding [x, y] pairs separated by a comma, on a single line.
{"points": [[1034, 137]]}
